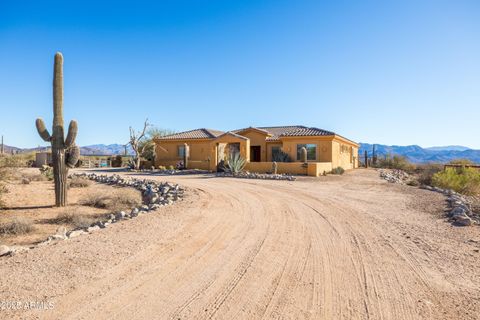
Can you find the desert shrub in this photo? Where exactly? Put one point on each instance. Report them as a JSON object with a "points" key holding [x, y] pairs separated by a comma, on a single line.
{"points": [[171, 167], [395, 162], [25, 180], [81, 221], [338, 170], [47, 171], [72, 217], [119, 200], [235, 163], [16, 226], [162, 168], [463, 180], [464, 162], [17, 160], [426, 172], [281, 156], [79, 182]]}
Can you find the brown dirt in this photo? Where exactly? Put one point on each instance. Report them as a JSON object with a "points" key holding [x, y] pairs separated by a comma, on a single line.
{"points": [[35, 201], [339, 247]]}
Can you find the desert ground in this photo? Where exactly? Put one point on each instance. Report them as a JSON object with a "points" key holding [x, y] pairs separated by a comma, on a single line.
{"points": [[335, 247]]}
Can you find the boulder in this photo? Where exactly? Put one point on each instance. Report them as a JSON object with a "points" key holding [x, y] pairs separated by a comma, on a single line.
{"points": [[463, 221], [4, 250], [75, 233]]}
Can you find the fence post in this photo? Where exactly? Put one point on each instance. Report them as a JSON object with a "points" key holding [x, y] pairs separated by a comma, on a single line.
{"points": [[366, 159]]}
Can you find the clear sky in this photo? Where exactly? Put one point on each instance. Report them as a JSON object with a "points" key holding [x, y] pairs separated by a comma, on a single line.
{"points": [[391, 72]]}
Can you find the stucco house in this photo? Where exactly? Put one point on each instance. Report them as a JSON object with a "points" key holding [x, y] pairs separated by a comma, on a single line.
{"points": [[260, 146]]}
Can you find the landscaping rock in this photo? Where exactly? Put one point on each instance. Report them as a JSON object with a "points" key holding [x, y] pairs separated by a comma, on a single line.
{"points": [[75, 233], [120, 215], [463, 221], [61, 233], [4, 250], [93, 228]]}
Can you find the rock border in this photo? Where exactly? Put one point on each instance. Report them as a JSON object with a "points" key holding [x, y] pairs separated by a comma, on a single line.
{"points": [[253, 175], [459, 212], [154, 195]]}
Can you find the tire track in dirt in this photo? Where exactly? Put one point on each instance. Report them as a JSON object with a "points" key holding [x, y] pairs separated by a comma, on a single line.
{"points": [[277, 250]]}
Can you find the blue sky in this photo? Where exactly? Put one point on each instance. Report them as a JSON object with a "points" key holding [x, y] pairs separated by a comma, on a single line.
{"points": [[392, 72]]}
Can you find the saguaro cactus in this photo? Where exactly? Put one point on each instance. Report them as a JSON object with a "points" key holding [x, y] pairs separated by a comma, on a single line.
{"points": [[2, 149], [303, 153], [186, 155], [65, 153]]}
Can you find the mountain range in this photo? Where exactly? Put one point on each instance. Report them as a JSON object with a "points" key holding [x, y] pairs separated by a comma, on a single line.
{"points": [[417, 154], [94, 149]]}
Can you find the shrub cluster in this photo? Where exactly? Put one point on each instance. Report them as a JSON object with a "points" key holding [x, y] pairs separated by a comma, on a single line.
{"points": [[119, 200], [16, 226], [462, 179], [338, 170]]}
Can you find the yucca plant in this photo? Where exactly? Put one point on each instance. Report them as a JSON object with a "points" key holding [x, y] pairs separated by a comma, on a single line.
{"points": [[235, 163]]}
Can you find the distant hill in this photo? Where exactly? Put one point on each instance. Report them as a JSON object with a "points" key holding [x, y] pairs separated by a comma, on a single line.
{"points": [[449, 148], [95, 149], [417, 154], [102, 149]]}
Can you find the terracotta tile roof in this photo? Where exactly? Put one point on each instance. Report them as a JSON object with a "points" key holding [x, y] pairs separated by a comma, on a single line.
{"points": [[276, 132], [307, 132], [194, 134]]}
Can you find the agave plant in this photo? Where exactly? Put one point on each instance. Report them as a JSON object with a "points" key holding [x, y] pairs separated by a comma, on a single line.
{"points": [[235, 163]]}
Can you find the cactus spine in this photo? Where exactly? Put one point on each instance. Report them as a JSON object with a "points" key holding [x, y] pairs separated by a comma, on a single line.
{"points": [[303, 153], [186, 154], [65, 153]]}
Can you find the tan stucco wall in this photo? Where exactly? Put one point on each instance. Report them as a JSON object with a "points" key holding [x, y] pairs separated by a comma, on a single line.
{"points": [[345, 154], [257, 139], [167, 151]]}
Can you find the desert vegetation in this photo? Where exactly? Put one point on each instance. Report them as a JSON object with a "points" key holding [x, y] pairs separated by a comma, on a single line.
{"points": [[460, 178], [65, 153]]}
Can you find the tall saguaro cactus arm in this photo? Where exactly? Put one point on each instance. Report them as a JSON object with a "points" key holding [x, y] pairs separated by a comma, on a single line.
{"points": [[65, 153], [42, 130]]}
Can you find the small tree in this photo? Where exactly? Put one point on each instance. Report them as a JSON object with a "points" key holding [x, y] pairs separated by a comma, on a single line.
{"points": [[138, 143]]}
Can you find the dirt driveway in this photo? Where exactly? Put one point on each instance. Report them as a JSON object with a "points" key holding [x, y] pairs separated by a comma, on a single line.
{"points": [[341, 247]]}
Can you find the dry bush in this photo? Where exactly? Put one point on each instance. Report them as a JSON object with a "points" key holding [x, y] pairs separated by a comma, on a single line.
{"points": [[73, 217], [121, 199], [79, 182], [426, 172], [16, 226], [25, 180]]}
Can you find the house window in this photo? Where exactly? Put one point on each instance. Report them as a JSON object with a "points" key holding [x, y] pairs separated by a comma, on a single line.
{"points": [[181, 151], [311, 151], [276, 152]]}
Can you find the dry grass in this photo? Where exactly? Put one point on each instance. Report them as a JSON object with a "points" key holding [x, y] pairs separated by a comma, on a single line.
{"points": [[78, 182], [122, 199], [74, 218], [16, 226]]}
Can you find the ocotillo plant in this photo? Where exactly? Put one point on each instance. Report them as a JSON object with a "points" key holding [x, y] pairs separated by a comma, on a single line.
{"points": [[303, 153], [186, 154], [65, 153]]}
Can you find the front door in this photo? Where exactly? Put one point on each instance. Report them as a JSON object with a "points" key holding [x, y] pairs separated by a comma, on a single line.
{"points": [[255, 155]]}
